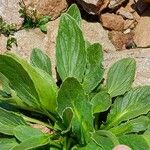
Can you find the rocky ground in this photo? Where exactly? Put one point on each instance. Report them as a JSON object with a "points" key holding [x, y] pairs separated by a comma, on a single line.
{"points": [[121, 26]]}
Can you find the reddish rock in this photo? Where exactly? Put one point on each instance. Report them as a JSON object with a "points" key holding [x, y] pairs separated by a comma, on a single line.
{"points": [[121, 40], [129, 24], [125, 13], [112, 21], [130, 7], [93, 6], [115, 3], [142, 31], [53, 8]]}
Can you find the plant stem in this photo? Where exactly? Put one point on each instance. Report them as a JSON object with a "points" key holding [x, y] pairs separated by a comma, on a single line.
{"points": [[33, 120]]}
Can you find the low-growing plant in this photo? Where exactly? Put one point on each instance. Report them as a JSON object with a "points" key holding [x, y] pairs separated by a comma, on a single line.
{"points": [[8, 30], [33, 20], [83, 111]]}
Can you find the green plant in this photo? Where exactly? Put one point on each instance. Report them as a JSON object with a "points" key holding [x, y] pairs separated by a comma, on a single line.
{"points": [[8, 30], [32, 20], [84, 112]]}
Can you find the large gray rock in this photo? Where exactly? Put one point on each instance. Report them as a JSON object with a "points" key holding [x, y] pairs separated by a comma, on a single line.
{"points": [[142, 57], [9, 10]]}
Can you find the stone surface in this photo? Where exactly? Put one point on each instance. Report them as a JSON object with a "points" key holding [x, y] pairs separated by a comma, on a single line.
{"points": [[93, 6], [115, 3], [142, 31], [53, 8], [3, 42], [141, 6], [9, 10], [94, 32], [129, 24], [142, 57], [121, 40], [112, 21], [125, 14]]}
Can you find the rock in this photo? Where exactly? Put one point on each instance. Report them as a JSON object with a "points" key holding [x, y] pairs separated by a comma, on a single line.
{"points": [[129, 24], [147, 1], [52, 8], [141, 6], [136, 16], [93, 6], [115, 3], [142, 31], [9, 10], [125, 14], [142, 57], [94, 32], [120, 40], [130, 7], [127, 31], [112, 21], [3, 42]]}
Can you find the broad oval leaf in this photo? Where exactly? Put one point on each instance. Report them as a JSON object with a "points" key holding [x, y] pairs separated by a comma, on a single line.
{"points": [[71, 95], [23, 132], [136, 125], [91, 146], [135, 103], [33, 142], [135, 142], [70, 49], [101, 102], [8, 121], [105, 139], [7, 143], [41, 60], [94, 72], [34, 86], [121, 76], [74, 12]]}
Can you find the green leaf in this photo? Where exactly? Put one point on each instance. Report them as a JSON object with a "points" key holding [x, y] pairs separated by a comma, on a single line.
{"points": [[120, 77], [135, 103], [8, 121], [43, 28], [33, 142], [135, 142], [105, 139], [74, 12], [70, 49], [146, 136], [7, 144], [41, 60], [71, 95], [94, 71], [91, 146], [44, 20], [101, 102], [23, 132], [35, 87], [132, 126]]}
